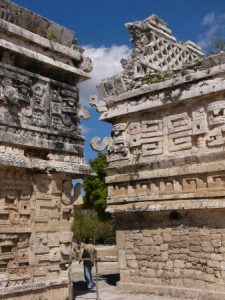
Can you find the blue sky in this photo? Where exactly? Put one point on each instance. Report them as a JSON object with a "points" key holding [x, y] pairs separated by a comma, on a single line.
{"points": [[99, 27]]}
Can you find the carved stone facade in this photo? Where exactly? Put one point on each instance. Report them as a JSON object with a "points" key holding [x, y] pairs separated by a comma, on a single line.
{"points": [[166, 172], [41, 152]]}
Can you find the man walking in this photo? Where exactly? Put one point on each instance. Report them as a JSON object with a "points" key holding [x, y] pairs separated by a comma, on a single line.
{"points": [[89, 255]]}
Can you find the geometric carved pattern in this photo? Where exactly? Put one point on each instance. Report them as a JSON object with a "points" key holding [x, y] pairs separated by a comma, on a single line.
{"points": [[194, 128], [41, 103], [41, 254], [192, 186], [154, 50], [41, 151]]}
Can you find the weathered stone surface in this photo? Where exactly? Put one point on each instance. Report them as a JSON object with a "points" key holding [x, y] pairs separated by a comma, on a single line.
{"points": [[41, 152], [166, 172]]}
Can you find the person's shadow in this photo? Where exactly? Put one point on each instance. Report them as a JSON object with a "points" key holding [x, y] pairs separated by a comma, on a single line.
{"points": [[79, 287]]}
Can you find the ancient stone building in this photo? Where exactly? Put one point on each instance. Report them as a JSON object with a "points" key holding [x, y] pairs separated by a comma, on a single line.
{"points": [[166, 172], [41, 151]]}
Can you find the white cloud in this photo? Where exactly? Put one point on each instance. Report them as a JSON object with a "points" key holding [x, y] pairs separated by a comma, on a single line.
{"points": [[106, 63], [209, 18], [214, 26], [84, 129], [206, 38]]}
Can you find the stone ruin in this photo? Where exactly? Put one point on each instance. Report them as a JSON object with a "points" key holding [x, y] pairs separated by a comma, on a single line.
{"points": [[166, 164], [41, 151]]}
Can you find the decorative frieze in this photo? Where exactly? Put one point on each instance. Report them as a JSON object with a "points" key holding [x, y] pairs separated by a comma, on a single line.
{"points": [[166, 168], [41, 152]]}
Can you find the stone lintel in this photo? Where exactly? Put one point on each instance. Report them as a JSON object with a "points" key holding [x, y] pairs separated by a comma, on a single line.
{"points": [[21, 71], [17, 290], [153, 206], [39, 40], [177, 170], [35, 23], [15, 229], [176, 94], [48, 61], [70, 167]]}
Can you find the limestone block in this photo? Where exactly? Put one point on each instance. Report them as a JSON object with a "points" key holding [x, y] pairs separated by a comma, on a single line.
{"points": [[216, 243], [133, 264], [195, 241], [222, 274], [151, 273], [120, 239], [164, 247], [122, 259], [167, 237], [213, 263], [144, 250], [130, 256], [222, 250], [178, 264], [195, 248], [169, 265], [157, 239], [153, 250], [188, 265], [147, 233], [207, 249], [216, 257], [65, 237], [125, 275], [143, 263], [203, 231], [164, 256], [209, 277]]}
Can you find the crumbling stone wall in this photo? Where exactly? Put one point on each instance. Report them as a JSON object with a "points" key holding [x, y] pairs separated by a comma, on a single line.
{"points": [[165, 174], [41, 152]]}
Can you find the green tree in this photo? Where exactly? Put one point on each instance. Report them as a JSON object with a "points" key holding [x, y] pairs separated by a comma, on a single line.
{"points": [[95, 187], [91, 221], [88, 225], [218, 45]]}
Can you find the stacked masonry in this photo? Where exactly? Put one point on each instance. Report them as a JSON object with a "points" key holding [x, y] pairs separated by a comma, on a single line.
{"points": [[41, 151], [166, 172]]}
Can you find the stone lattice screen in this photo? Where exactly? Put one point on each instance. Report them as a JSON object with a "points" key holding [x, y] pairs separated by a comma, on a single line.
{"points": [[155, 51]]}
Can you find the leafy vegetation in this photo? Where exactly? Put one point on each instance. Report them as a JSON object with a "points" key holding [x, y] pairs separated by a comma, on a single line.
{"points": [[88, 225], [91, 220], [218, 45], [95, 187], [154, 78], [51, 35]]}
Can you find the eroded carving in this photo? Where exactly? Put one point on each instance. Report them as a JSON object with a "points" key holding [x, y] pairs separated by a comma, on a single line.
{"points": [[83, 113], [41, 149], [98, 104], [155, 53], [106, 143], [166, 161]]}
